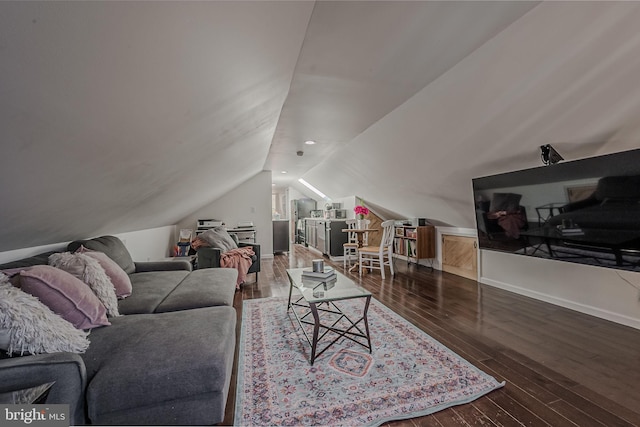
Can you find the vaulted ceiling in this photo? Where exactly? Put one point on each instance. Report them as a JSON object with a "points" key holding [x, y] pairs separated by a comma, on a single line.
{"points": [[112, 112]]}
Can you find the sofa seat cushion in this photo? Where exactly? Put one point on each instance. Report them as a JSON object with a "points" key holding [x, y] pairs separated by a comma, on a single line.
{"points": [[145, 359], [208, 287], [149, 290]]}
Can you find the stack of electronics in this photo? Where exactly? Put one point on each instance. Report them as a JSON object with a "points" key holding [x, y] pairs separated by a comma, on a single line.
{"points": [[206, 224], [412, 222]]}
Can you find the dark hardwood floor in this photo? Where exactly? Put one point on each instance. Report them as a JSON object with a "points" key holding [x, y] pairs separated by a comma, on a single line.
{"points": [[561, 367]]}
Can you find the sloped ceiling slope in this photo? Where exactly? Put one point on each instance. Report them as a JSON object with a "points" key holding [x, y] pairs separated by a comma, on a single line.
{"points": [[362, 59], [565, 73], [119, 116]]}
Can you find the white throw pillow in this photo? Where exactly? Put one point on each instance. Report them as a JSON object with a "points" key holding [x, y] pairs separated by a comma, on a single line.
{"points": [[90, 272], [32, 327]]}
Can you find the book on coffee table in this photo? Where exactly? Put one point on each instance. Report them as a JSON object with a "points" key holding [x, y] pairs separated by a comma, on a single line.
{"points": [[574, 231], [326, 274]]}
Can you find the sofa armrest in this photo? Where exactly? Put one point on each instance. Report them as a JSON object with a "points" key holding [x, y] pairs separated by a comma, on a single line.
{"points": [[183, 264], [255, 246], [65, 370], [208, 257]]}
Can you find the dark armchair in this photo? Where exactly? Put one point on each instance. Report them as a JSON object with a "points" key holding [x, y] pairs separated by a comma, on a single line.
{"points": [[209, 245], [210, 257]]}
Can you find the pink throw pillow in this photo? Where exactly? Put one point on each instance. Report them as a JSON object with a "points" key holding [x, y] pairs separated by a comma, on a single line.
{"points": [[119, 278], [65, 295]]}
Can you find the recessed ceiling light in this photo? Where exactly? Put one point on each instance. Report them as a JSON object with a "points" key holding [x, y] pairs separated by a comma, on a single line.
{"points": [[309, 142], [283, 172]]}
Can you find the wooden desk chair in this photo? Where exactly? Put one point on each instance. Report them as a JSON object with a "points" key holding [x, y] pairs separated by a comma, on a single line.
{"points": [[351, 247], [373, 257]]}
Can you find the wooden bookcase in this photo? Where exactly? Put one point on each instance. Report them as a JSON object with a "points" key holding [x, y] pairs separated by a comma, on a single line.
{"points": [[415, 242]]}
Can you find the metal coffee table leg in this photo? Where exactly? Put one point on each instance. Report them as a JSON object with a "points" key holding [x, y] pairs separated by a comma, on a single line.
{"points": [[316, 330]]}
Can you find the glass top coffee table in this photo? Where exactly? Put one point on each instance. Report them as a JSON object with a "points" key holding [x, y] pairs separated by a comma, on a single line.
{"points": [[316, 306]]}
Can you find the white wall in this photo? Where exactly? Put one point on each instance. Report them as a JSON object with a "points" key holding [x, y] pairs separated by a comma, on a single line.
{"points": [[143, 245], [250, 201], [603, 292], [150, 245], [348, 203]]}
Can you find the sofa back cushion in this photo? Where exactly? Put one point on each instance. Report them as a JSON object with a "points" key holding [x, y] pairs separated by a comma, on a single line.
{"points": [[109, 245], [40, 259]]}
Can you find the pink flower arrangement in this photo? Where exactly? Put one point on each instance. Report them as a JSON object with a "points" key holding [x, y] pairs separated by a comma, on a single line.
{"points": [[361, 211]]}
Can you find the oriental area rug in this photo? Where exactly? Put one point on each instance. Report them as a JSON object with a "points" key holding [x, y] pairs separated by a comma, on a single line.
{"points": [[408, 374]]}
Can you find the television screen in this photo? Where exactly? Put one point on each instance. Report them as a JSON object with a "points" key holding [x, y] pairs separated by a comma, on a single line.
{"points": [[584, 211]]}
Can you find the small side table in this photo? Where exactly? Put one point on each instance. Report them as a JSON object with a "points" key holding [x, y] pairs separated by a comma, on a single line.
{"points": [[360, 234]]}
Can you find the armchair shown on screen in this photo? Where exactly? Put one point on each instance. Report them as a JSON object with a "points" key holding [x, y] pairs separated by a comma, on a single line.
{"points": [[503, 217]]}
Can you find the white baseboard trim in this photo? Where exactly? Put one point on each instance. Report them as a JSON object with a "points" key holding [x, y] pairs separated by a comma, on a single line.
{"points": [[572, 305]]}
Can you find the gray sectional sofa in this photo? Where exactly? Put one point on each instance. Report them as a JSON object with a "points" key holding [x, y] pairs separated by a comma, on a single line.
{"points": [[166, 360]]}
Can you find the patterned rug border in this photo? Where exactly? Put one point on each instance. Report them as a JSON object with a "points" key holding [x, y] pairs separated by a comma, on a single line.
{"points": [[379, 421]]}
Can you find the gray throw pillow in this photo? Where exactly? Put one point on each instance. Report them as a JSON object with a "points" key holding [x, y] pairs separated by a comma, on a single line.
{"points": [[90, 272], [219, 238], [32, 327]]}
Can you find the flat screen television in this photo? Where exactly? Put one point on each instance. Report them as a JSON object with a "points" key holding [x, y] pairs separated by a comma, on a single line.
{"points": [[584, 211]]}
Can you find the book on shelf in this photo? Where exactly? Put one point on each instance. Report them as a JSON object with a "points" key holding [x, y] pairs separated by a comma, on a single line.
{"points": [[327, 273]]}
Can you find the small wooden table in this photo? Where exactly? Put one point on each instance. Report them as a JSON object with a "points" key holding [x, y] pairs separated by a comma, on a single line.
{"points": [[359, 233], [360, 236]]}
